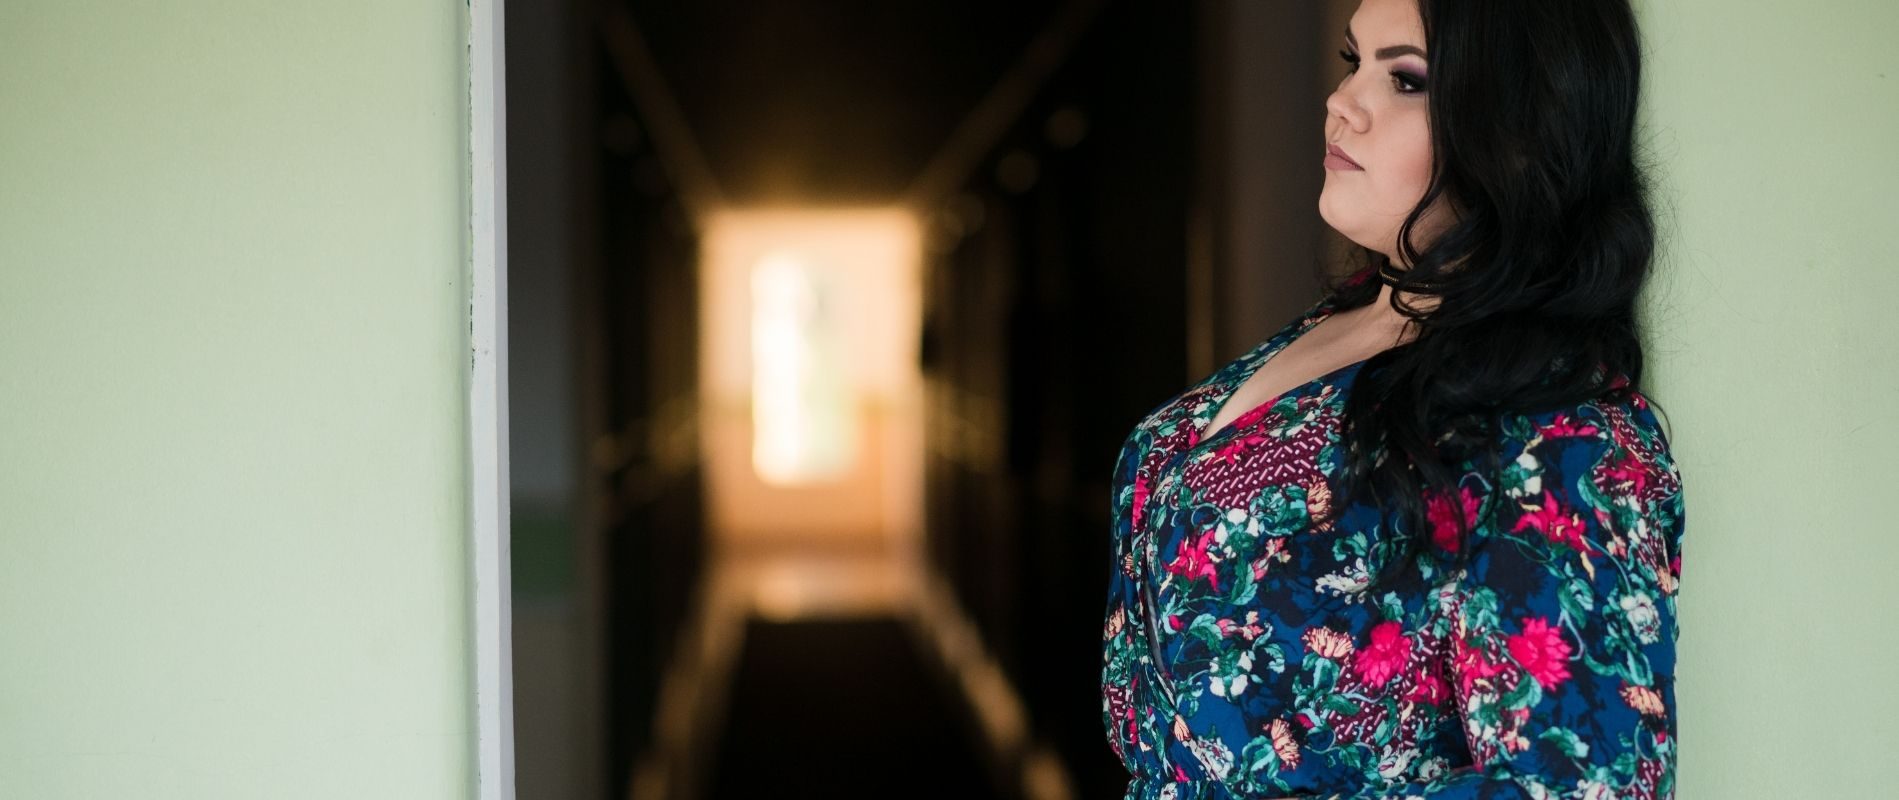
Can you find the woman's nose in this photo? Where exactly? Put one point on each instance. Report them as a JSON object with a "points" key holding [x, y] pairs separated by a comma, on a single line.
{"points": [[1341, 108]]}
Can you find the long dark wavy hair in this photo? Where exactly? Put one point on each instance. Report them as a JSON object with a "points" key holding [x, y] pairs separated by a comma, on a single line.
{"points": [[1536, 282]]}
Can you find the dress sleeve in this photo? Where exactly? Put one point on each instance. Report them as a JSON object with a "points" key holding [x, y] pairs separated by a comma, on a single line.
{"points": [[1562, 652]]}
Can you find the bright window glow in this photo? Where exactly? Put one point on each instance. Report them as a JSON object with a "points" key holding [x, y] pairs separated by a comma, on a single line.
{"points": [[809, 389], [802, 405]]}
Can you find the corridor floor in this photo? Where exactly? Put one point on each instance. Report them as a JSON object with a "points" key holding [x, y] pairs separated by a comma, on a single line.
{"points": [[844, 709]]}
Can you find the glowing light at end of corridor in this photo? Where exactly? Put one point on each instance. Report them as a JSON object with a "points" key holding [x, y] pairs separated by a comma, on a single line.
{"points": [[802, 413]]}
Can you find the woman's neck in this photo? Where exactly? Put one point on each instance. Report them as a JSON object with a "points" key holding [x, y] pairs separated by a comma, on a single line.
{"points": [[1380, 320], [1419, 301]]}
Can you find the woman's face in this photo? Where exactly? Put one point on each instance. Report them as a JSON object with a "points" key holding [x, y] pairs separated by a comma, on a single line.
{"points": [[1379, 118]]}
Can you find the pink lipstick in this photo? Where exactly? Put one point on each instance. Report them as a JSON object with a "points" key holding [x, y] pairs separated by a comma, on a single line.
{"points": [[1336, 159]]}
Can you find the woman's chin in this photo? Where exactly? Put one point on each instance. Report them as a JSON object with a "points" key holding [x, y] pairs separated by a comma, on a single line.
{"points": [[1335, 221]]}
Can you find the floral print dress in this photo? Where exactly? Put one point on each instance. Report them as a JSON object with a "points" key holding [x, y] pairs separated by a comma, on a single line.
{"points": [[1243, 657]]}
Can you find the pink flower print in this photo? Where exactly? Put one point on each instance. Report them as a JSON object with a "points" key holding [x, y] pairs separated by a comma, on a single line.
{"points": [[1328, 643], [1565, 426], [1443, 520], [1645, 700], [1513, 721], [1385, 655], [1555, 523], [1472, 665], [1249, 630], [1542, 652], [1275, 551], [1428, 686], [1429, 689], [1141, 490], [1283, 744], [1624, 471], [1193, 561], [1236, 446], [1244, 436]]}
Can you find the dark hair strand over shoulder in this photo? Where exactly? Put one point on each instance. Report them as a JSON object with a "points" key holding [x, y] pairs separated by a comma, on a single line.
{"points": [[1537, 279]]}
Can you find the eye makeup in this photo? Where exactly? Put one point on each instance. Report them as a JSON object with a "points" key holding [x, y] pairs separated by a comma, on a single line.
{"points": [[1404, 81]]}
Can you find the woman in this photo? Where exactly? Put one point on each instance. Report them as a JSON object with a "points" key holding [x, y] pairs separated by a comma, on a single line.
{"points": [[1424, 542]]}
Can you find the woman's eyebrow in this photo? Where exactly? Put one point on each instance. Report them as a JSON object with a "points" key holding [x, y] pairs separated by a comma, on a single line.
{"points": [[1388, 53]]}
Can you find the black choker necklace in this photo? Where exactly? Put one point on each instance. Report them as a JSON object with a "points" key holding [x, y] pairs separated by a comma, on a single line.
{"points": [[1390, 276]]}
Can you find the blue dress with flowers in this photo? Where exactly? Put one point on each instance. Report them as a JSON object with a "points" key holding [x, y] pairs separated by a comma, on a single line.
{"points": [[1242, 657]]}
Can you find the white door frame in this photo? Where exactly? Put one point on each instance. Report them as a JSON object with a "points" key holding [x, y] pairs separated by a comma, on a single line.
{"points": [[488, 404]]}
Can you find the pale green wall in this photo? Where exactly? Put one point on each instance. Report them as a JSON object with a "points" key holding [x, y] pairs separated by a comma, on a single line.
{"points": [[233, 325], [1776, 351]]}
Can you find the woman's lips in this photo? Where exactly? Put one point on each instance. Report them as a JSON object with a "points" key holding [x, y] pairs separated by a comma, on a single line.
{"points": [[1336, 159]]}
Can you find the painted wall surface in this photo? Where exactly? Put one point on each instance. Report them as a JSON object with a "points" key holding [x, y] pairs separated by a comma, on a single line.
{"points": [[1773, 339], [233, 339]]}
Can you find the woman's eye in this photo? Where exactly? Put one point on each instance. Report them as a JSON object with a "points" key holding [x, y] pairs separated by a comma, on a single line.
{"points": [[1351, 60], [1407, 83]]}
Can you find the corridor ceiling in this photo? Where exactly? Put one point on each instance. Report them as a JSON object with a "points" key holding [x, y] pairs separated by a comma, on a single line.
{"points": [[830, 101]]}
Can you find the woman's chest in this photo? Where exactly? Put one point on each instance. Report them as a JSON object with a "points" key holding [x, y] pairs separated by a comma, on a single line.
{"points": [[1216, 522], [1247, 580]]}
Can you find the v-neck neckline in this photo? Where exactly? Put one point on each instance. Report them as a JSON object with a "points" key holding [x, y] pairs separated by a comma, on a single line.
{"points": [[1256, 360]]}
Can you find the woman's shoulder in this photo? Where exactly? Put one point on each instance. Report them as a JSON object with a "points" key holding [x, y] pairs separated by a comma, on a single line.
{"points": [[1596, 451], [1623, 418]]}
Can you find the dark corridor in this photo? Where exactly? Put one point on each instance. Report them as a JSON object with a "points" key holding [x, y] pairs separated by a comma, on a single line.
{"points": [[807, 720], [1094, 228]]}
